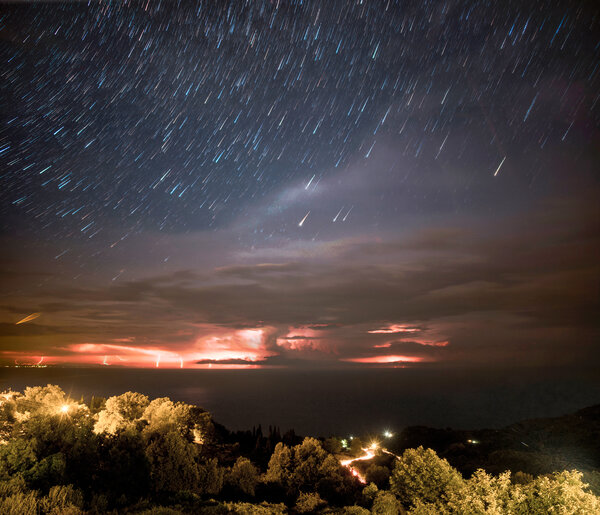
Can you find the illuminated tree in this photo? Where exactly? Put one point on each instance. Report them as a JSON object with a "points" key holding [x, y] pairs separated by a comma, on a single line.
{"points": [[562, 492], [41, 400], [51, 437], [280, 465], [308, 467], [308, 458], [420, 475], [482, 494], [121, 412], [243, 476], [335, 482], [191, 422]]}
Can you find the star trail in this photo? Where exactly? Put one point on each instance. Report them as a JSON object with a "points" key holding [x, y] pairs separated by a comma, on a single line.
{"points": [[273, 181]]}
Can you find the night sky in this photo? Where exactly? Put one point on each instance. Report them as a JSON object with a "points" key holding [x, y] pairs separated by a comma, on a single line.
{"points": [[300, 183]]}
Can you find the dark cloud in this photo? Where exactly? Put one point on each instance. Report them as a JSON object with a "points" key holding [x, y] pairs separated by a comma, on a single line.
{"points": [[530, 286]]}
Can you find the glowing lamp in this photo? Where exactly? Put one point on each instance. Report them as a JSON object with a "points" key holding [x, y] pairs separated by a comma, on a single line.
{"points": [[64, 408]]}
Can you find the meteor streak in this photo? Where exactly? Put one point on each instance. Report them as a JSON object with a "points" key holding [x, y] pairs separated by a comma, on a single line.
{"points": [[344, 219], [28, 318], [311, 180], [339, 213], [499, 166], [302, 221]]}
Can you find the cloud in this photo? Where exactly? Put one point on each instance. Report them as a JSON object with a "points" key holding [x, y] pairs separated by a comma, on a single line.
{"points": [[456, 294]]}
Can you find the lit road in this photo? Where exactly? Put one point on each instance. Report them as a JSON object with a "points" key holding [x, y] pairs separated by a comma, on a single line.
{"points": [[368, 454]]}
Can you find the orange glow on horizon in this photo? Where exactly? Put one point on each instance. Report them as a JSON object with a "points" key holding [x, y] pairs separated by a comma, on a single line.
{"points": [[244, 345], [386, 359]]}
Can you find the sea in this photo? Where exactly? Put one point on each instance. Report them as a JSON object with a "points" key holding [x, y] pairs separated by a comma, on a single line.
{"points": [[340, 402]]}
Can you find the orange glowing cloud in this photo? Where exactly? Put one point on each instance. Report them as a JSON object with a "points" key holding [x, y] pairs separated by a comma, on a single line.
{"points": [[125, 355], [386, 359], [303, 339], [395, 329], [244, 344], [422, 341]]}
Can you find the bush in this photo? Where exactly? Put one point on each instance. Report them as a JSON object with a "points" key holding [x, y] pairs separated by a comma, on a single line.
{"points": [[309, 503], [19, 504], [385, 503], [63, 500]]}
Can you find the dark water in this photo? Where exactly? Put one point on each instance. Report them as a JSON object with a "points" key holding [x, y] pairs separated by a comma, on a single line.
{"points": [[325, 402]]}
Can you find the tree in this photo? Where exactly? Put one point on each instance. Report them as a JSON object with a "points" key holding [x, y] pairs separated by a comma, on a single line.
{"points": [[280, 465], [485, 494], [172, 462], [16, 458], [210, 477], [332, 445], [562, 492], [122, 465], [420, 474], [482, 494], [191, 422], [356, 447], [243, 476], [308, 458], [378, 474], [308, 467], [121, 412], [386, 504], [369, 492]]}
